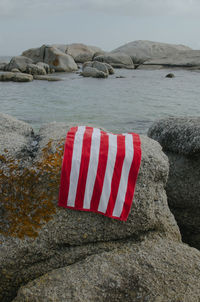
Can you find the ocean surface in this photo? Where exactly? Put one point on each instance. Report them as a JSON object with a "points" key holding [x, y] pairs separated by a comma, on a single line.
{"points": [[126, 104]]}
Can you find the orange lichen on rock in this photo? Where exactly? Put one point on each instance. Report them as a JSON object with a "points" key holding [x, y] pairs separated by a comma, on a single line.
{"points": [[28, 194]]}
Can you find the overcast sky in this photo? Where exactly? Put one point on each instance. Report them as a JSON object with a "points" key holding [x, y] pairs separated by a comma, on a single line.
{"points": [[104, 23]]}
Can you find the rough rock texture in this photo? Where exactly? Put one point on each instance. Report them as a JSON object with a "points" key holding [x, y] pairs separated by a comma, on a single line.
{"points": [[35, 54], [35, 69], [58, 60], [154, 270], [185, 59], [45, 66], [19, 62], [15, 77], [80, 52], [180, 139], [36, 236], [147, 49], [93, 72], [97, 69], [116, 60]]}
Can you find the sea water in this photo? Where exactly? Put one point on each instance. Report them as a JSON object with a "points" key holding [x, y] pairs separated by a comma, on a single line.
{"points": [[128, 104]]}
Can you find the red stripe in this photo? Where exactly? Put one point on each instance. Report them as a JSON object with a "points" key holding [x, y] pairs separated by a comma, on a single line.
{"points": [[66, 167], [132, 176], [116, 173], [98, 186], [85, 159]]}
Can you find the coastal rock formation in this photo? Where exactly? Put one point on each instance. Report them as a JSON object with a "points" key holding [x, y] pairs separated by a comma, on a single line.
{"points": [[55, 58], [19, 62], [45, 66], [37, 237], [142, 50], [180, 139], [35, 69], [58, 60], [79, 52], [116, 60], [154, 270], [96, 69], [15, 77], [185, 59]]}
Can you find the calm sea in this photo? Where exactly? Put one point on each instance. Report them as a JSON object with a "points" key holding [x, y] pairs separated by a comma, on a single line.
{"points": [[116, 104]]}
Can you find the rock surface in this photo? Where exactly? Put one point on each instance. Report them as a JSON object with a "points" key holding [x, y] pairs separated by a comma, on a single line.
{"points": [[152, 271], [96, 69], [39, 237], [142, 49], [180, 139], [35, 69], [19, 62], [58, 60], [2, 66], [116, 60], [185, 59], [15, 77]]}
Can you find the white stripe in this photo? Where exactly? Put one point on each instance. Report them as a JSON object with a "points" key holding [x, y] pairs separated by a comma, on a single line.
{"points": [[76, 162], [92, 169], [112, 152], [129, 152]]}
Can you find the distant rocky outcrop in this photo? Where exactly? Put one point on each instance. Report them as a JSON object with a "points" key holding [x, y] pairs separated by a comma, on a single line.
{"points": [[116, 60], [180, 139], [95, 257], [142, 50], [184, 59], [96, 69], [54, 57]]}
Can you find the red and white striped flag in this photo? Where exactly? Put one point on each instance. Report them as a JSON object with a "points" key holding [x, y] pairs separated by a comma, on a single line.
{"points": [[99, 171]]}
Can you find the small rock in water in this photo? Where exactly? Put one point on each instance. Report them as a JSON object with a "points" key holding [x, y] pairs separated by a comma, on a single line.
{"points": [[170, 75], [120, 77]]}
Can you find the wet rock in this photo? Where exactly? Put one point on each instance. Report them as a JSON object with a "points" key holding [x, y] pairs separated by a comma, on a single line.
{"points": [[180, 139], [15, 70], [91, 68], [37, 236], [170, 75]]}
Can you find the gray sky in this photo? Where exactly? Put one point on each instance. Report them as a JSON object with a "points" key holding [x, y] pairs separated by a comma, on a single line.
{"points": [[104, 23]]}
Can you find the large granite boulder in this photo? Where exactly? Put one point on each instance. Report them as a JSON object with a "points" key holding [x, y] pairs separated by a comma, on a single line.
{"points": [[15, 77], [143, 50], [185, 59], [19, 62], [35, 54], [58, 60], [180, 139], [116, 60], [154, 270], [37, 236], [54, 57]]}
